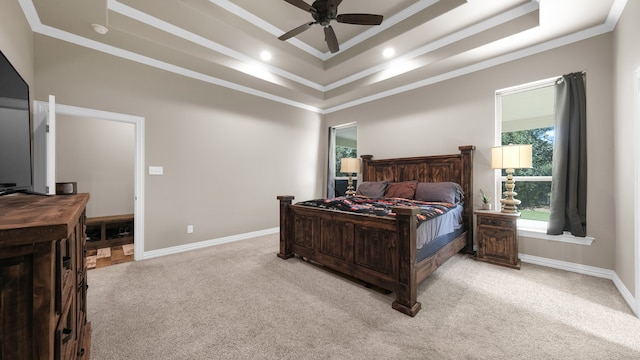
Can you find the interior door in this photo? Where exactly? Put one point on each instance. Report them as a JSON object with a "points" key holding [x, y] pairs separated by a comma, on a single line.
{"points": [[44, 146]]}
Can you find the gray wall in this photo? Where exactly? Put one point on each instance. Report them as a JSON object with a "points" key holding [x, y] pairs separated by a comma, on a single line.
{"points": [[99, 155], [627, 55], [226, 155], [16, 40], [437, 118]]}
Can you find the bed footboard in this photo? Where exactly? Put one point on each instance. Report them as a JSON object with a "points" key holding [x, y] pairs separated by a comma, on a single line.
{"points": [[378, 250]]}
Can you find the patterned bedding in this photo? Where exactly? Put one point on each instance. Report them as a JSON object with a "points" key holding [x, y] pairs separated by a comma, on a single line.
{"points": [[381, 207]]}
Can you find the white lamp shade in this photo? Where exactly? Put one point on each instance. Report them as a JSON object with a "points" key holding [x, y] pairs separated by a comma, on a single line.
{"points": [[350, 165], [511, 157]]}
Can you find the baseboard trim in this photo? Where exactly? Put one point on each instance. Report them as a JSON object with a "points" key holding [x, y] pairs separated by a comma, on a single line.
{"points": [[207, 243], [586, 270]]}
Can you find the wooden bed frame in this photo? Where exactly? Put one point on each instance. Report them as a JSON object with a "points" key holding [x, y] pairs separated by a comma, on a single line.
{"points": [[380, 250]]}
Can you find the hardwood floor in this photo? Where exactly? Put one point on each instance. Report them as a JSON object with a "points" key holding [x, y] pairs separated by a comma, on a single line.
{"points": [[109, 256]]}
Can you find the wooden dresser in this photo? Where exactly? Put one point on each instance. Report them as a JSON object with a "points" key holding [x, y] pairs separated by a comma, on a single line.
{"points": [[43, 277]]}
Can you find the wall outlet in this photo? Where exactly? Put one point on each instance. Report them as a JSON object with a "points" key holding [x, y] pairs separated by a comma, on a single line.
{"points": [[189, 229]]}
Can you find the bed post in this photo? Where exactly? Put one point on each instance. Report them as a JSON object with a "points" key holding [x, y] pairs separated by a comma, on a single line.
{"points": [[365, 166], [285, 231], [466, 152], [406, 293]]}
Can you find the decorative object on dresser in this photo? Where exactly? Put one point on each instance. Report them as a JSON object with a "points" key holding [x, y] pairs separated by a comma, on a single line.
{"points": [[511, 157], [485, 200], [497, 236], [43, 278], [66, 188], [350, 166], [383, 250]]}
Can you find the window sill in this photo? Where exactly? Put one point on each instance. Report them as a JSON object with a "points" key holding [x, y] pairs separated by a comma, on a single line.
{"points": [[538, 230]]}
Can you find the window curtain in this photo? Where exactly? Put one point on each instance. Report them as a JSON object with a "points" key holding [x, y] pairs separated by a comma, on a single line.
{"points": [[331, 171], [569, 174]]}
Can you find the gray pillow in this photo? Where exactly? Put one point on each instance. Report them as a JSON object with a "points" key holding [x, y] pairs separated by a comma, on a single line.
{"points": [[372, 189], [439, 191]]}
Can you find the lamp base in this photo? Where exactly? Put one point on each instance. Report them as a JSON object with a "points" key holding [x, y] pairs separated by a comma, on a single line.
{"points": [[510, 203], [350, 191]]}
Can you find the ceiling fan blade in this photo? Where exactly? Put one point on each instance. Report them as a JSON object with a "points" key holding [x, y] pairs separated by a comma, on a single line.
{"points": [[296, 31], [360, 19], [331, 39], [302, 5]]}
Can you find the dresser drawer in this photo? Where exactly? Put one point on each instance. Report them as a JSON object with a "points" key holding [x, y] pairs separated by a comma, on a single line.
{"points": [[492, 221]]}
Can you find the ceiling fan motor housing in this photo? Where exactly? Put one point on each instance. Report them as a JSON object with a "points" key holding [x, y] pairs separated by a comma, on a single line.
{"points": [[325, 12]]}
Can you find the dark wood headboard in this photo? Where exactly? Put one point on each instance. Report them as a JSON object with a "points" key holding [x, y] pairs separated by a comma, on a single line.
{"points": [[456, 168]]}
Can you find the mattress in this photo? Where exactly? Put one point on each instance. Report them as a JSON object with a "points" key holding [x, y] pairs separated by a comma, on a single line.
{"points": [[435, 233]]}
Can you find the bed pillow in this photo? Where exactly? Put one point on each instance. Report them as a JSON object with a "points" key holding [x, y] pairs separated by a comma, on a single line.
{"points": [[372, 189], [404, 189], [439, 191]]}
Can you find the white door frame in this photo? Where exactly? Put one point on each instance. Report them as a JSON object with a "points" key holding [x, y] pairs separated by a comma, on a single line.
{"points": [[138, 185], [636, 102]]}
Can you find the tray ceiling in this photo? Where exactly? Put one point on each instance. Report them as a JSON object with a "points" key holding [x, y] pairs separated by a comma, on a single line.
{"points": [[221, 41]]}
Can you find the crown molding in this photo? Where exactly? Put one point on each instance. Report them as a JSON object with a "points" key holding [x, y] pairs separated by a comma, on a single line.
{"points": [[34, 21]]}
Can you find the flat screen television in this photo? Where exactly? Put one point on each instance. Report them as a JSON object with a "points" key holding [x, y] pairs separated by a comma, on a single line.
{"points": [[15, 131]]}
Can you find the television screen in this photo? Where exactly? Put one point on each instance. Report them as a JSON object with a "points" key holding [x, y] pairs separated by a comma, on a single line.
{"points": [[15, 130]]}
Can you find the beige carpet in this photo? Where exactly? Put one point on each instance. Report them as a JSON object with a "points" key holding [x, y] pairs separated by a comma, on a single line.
{"points": [[239, 301]]}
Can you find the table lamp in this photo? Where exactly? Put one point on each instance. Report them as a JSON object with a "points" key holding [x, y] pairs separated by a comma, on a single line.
{"points": [[511, 157], [350, 166]]}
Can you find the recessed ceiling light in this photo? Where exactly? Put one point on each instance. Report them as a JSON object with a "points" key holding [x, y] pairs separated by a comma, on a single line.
{"points": [[265, 55], [100, 29], [388, 52]]}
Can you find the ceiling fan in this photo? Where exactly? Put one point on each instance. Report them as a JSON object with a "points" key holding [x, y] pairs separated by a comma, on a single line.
{"points": [[323, 11]]}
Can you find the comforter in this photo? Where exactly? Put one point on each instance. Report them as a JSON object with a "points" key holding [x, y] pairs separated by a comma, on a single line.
{"points": [[381, 206]]}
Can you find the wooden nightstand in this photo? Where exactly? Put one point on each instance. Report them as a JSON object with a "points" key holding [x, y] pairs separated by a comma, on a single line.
{"points": [[497, 235]]}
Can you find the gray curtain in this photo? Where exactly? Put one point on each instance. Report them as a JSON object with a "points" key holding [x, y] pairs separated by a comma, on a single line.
{"points": [[331, 171], [569, 184]]}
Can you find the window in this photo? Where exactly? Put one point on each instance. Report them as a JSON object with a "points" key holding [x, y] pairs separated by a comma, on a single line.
{"points": [[346, 146], [343, 143], [527, 117]]}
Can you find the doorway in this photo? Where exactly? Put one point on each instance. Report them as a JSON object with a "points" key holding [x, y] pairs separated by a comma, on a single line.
{"points": [[98, 155], [41, 115]]}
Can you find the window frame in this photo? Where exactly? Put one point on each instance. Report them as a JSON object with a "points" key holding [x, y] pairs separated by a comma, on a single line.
{"points": [[529, 228]]}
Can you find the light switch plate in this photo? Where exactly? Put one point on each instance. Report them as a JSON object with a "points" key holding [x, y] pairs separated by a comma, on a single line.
{"points": [[156, 170]]}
